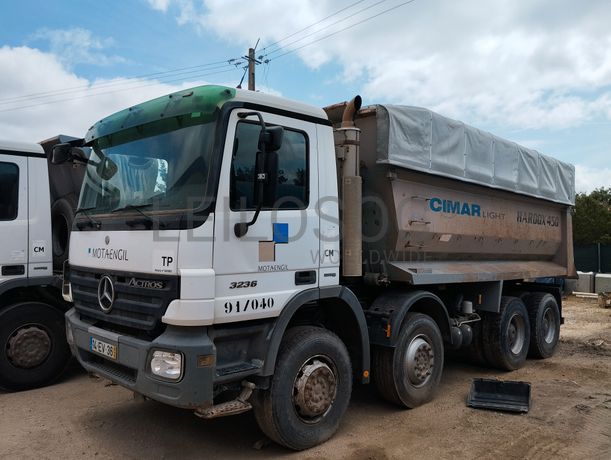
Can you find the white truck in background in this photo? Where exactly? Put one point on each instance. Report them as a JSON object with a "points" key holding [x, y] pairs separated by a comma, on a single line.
{"points": [[37, 204], [239, 251]]}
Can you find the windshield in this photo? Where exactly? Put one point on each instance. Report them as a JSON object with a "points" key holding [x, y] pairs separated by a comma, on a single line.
{"points": [[161, 174]]}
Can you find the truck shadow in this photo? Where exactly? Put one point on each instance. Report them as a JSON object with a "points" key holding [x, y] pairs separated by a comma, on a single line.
{"points": [[73, 371], [158, 431]]}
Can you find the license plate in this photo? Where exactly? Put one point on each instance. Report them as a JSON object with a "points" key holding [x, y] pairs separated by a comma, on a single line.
{"points": [[103, 348]]}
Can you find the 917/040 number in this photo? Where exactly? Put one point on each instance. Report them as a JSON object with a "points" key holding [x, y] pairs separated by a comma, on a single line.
{"points": [[241, 306]]}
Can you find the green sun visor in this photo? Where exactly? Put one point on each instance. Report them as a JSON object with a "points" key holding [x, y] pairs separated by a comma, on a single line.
{"points": [[177, 110]]}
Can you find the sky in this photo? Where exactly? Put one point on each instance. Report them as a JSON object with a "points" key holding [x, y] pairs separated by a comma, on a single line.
{"points": [[536, 72]]}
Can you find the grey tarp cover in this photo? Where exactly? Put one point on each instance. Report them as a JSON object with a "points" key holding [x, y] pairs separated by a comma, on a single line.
{"points": [[416, 138]]}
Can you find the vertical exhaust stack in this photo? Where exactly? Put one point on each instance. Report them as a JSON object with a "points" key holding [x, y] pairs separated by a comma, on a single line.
{"points": [[347, 141]]}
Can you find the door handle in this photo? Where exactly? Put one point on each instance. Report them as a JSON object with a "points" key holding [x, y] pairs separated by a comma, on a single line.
{"points": [[13, 270], [305, 277]]}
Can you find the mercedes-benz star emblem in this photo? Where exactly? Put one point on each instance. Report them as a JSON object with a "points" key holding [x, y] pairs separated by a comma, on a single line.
{"points": [[106, 294]]}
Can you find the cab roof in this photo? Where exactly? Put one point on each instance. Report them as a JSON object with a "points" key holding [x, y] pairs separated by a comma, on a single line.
{"points": [[26, 147], [200, 101]]}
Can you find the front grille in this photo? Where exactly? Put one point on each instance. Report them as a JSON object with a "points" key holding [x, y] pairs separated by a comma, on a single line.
{"points": [[135, 309]]}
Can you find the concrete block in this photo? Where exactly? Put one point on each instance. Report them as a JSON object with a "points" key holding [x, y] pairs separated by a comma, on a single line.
{"points": [[585, 283], [602, 282]]}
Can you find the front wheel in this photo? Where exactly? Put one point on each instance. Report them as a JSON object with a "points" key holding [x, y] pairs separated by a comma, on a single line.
{"points": [[33, 347], [310, 389], [409, 374]]}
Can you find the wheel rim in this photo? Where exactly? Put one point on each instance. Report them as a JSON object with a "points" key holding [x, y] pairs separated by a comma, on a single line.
{"points": [[315, 389], [419, 361], [548, 326], [516, 334], [28, 346]]}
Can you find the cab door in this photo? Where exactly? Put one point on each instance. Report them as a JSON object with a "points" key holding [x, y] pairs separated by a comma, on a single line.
{"points": [[256, 274], [13, 216]]}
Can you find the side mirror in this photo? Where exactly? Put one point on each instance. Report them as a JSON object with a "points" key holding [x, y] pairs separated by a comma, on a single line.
{"points": [[271, 138], [270, 141], [61, 153], [106, 168]]}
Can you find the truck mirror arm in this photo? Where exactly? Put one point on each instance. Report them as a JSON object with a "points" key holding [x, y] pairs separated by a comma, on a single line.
{"points": [[241, 228]]}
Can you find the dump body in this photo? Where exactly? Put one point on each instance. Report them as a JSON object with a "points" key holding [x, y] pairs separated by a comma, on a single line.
{"points": [[446, 203]]}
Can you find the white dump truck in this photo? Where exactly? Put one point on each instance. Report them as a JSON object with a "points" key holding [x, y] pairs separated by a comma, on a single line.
{"points": [[239, 251], [37, 203]]}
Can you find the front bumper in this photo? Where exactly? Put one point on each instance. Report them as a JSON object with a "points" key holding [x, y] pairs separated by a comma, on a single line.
{"points": [[131, 369]]}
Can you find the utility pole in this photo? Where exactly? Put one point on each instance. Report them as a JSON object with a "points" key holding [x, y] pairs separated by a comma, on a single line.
{"points": [[251, 69], [252, 62]]}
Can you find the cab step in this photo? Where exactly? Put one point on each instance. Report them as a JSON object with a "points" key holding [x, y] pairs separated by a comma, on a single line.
{"points": [[237, 406]]}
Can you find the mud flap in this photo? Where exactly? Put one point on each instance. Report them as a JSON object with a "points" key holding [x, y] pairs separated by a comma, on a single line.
{"points": [[500, 395]]}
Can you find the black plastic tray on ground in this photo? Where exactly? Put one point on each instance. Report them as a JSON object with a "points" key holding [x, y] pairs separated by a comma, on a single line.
{"points": [[501, 395]]}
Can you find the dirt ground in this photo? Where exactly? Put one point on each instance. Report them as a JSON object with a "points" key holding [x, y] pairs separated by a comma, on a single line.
{"points": [[570, 415]]}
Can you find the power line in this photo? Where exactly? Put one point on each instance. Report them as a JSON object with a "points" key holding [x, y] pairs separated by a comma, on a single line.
{"points": [[109, 92], [343, 29], [325, 27], [195, 71], [163, 74], [312, 25]]}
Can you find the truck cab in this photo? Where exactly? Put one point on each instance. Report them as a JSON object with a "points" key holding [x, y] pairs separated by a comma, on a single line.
{"points": [[171, 300], [34, 229]]}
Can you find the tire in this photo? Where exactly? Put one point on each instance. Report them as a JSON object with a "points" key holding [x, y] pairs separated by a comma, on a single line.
{"points": [[33, 347], [62, 216], [396, 380], [506, 335], [544, 316], [305, 350]]}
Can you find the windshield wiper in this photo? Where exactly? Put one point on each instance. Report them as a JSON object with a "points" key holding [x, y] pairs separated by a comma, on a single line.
{"points": [[91, 223], [148, 220]]}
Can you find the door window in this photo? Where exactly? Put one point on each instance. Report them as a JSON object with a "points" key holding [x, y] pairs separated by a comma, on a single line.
{"points": [[9, 191], [287, 186]]}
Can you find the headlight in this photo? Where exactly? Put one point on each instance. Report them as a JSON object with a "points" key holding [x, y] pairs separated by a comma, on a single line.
{"points": [[166, 364]]}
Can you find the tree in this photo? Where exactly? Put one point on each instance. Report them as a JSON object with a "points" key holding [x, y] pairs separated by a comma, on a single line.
{"points": [[592, 217]]}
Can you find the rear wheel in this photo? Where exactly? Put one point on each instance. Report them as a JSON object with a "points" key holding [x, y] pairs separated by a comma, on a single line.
{"points": [[310, 389], [33, 347], [506, 335], [544, 317], [409, 374]]}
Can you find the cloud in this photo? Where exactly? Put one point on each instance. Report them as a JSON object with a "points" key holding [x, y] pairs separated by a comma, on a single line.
{"points": [[77, 46], [588, 179], [536, 64], [160, 5], [20, 69]]}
